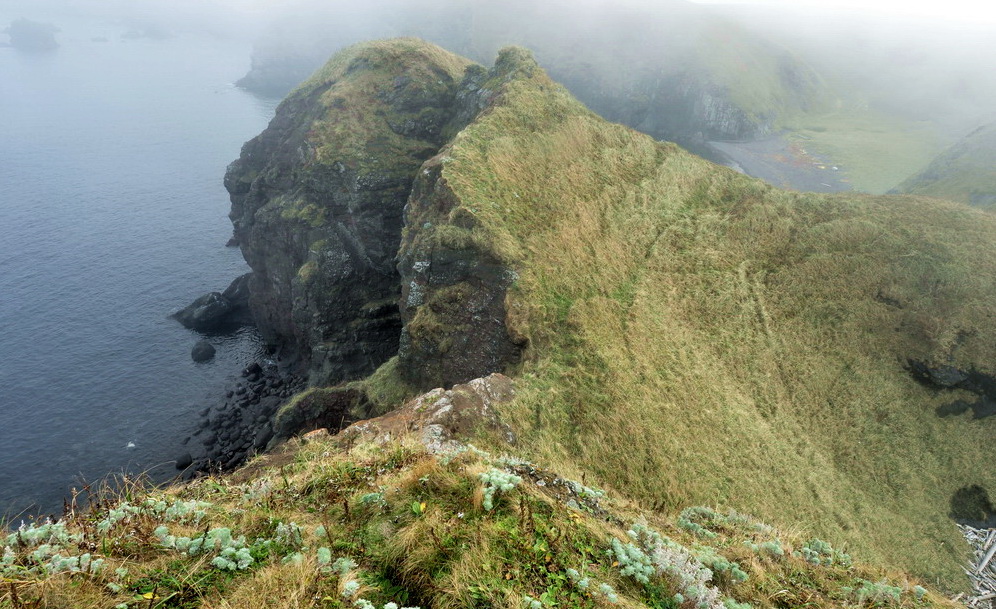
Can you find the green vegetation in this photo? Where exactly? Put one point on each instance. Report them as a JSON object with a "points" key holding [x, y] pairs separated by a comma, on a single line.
{"points": [[764, 80], [696, 336], [874, 151], [326, 525], [966, 172], [357, 104]]}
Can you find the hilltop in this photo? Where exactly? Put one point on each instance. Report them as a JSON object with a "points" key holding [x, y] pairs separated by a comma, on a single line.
{"points": [[679, 335]]}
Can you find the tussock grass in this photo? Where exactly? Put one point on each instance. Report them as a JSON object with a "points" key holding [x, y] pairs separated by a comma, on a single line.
{"points": [[413, 528], [358, 125], [699, 337]]}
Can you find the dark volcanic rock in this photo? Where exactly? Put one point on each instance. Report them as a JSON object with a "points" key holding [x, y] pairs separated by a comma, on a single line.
{"points": [[184, 461], [317, 202], [237, 295], [206, 314], [946, 377], [202, 351], [453, 291], [219, 311], [942, 376]]}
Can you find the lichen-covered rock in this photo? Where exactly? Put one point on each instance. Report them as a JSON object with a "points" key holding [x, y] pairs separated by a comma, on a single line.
{"points": [[442, 417], [317, 201]]}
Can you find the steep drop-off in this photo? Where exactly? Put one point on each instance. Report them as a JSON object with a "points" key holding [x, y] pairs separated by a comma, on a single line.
{"points": [[684, 333], [317, 202], [965, 172]]}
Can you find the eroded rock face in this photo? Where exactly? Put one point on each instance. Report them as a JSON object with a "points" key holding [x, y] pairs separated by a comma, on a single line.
{"points": [[452, 288], [317, 202], [453, 294]]}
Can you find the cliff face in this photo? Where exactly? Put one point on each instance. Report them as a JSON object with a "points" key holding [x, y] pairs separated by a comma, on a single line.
{"points": [[317, 202], [454, 287]]}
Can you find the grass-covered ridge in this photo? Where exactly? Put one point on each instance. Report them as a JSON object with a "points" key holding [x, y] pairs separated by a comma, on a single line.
{"points": [[699, 337], [333, 524], [965, 172]]}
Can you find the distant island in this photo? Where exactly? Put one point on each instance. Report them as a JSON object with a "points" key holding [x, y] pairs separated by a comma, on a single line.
{"points": [[33, 36]]}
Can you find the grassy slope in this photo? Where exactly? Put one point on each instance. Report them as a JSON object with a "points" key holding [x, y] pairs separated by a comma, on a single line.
{"points": [[699, 337], [418, 532], [762, 78], [967, 168]]}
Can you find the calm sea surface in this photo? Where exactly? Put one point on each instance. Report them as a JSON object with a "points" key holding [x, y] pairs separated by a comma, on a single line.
{"points": [[112, 215]]}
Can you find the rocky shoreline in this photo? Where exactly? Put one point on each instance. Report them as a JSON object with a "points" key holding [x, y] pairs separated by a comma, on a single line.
{"points": [[240, 425]]}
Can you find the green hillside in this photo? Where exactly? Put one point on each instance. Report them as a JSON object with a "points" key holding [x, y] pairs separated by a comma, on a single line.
{"points": [[696, 336], [964, 172]]}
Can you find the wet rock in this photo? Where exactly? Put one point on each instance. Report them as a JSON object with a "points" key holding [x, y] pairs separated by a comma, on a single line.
{"points": [[203, 351], [184, 461], [206, 314]]}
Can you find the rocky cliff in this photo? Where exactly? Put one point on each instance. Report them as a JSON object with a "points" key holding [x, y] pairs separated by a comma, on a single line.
{"points": [[317, 202]]}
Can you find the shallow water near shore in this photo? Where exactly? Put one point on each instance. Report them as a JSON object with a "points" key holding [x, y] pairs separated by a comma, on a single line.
{"points": [[112, 154]]}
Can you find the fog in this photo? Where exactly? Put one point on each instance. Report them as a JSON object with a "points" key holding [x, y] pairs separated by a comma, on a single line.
{"points": [[633, 61]]}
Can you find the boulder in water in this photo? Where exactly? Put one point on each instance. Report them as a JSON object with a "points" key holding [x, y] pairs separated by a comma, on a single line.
{"points": [[202, 351]]}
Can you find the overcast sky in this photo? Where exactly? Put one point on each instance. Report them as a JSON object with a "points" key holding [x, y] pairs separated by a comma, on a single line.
{"points": [[971, 12]]}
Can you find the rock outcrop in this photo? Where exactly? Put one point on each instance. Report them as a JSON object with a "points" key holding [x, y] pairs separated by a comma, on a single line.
{"points": [[453, 287], [443, 417], [217, 312], [317, 202]]}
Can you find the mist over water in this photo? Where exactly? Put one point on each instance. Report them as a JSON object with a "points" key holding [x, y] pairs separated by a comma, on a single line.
{"points": [[112, 154]]}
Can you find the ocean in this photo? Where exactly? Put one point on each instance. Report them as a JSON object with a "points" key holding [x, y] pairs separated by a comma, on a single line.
{"points": [[112, 216]]}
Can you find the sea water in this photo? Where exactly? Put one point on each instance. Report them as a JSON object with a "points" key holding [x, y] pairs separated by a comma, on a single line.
{"points": [[112, 215]]}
